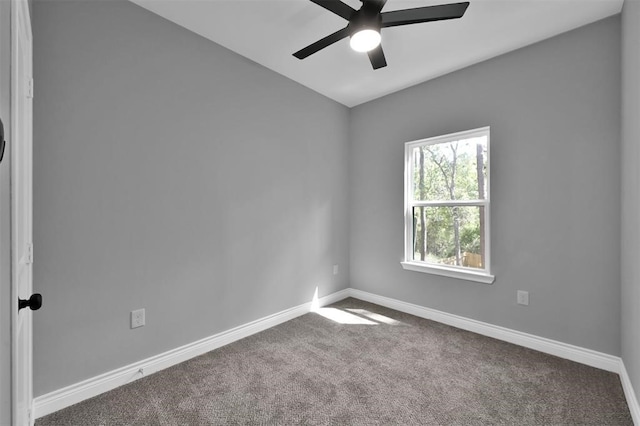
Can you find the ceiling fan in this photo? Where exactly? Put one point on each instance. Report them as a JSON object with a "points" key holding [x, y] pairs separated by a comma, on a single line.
{"points": [[365, 24]]}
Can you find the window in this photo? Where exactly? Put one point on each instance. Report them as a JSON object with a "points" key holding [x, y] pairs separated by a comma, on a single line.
{"points": [[447, 205]]}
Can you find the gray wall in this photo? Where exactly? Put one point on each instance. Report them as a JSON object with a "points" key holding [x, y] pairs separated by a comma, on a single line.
{"points": [[173, 175], [630, 196], [554, 112], [154, 148], [5, 225]]}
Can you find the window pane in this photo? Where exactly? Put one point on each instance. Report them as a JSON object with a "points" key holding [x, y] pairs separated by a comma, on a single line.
{"points": [[449, 235], [451, 171]]}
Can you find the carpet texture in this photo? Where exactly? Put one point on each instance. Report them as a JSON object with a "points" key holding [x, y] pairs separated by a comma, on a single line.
{"points": [[355, 363]]}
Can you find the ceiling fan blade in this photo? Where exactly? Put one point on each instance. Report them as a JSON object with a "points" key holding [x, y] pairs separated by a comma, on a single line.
{"points": [[376, 56], [322, 43], [423, 14], [374, 6], [336, 6]]}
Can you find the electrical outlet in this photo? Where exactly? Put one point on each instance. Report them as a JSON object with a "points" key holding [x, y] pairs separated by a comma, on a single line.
{"points": [[335, 269], [523, 298], [137, 318]]}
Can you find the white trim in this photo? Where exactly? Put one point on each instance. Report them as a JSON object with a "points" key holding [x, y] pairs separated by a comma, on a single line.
{"points": [[460, 273], [632, 401], [451, 137], [553, 347], [409, 203], [453, 203], [89, 388], [578, 354], [21, 188]]}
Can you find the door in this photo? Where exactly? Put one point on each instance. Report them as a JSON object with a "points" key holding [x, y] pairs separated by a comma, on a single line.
{"points": [[21, 211]]}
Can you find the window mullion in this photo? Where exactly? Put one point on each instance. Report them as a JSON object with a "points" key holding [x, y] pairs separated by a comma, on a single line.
{"points": [[448, 203]]}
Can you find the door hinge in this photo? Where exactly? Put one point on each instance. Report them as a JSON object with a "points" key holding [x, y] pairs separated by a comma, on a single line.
{"points": [[30, 253], [30, 88]]}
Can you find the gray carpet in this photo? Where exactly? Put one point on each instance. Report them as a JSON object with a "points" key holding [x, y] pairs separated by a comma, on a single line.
{"points": [[393, 369]]}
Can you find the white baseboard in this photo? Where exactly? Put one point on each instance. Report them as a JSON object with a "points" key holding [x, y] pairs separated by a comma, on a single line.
{"points": [[548, 346], [630, 395], [94, 386], [589, 357], [89, 388]]}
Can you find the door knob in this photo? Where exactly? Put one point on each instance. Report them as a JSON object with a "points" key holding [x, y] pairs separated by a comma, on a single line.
{"points": [[34, 302]]}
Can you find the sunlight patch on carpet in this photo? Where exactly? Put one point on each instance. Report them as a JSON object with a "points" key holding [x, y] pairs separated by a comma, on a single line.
{"points": [[343, 317], [375, 317]]}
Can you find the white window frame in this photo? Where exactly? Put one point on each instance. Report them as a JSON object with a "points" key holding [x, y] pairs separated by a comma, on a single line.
{"points": [[460, 272]]}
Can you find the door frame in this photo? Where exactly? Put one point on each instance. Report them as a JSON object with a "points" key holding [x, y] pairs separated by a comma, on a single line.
{"points": [[19, 10], [5, 217]]}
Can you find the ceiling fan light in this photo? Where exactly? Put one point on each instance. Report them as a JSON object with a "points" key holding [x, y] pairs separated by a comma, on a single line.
{"points": [[365, 40]]}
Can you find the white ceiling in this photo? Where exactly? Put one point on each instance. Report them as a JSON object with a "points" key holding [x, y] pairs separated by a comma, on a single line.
{"points": [[269, 31]]}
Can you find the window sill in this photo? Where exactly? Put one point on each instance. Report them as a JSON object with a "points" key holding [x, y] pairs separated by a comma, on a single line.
{"points": [[480, 277]]}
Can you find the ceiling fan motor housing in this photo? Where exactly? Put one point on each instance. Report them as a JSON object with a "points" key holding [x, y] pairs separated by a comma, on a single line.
{"points": [[365, 18]]}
